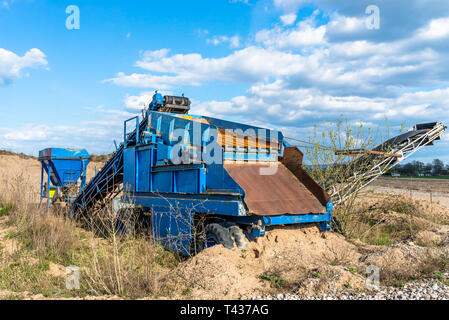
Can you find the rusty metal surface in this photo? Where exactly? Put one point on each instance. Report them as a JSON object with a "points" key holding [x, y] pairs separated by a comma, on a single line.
{"points": [[280, 193], [293, 161]]}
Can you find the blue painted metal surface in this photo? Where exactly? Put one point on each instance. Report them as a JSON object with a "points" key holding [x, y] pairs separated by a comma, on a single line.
{"points": [[157, 102]]}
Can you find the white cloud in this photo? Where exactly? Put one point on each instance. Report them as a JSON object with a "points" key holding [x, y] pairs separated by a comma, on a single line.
{"points": [[436, 29], [342, 24], [289, 110], [137, 103], [251, 64], [288, 19], [304, 35], [11, 65], [96, 136], [234, 41], [357, 67], [289, 5], [27, 133]]}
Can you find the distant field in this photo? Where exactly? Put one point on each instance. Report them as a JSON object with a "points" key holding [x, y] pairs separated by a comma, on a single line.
{"points": [[418, 177], [434, 184], [426, 188]]}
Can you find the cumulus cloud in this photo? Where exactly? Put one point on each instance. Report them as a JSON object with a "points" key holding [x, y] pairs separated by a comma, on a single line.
{"points": [[399, 18], [12, 65], [248, 65], [292, 110], [305, 34], [304, 70], [106, 128], [136, 103], [436, 29], [304, 56]]}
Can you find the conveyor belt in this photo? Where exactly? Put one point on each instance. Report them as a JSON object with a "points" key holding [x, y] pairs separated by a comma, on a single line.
{"points": [[364, 170], [107, 183]]}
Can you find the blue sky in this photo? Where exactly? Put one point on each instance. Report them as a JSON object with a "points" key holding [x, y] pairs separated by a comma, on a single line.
{"points": [[284, 64]]}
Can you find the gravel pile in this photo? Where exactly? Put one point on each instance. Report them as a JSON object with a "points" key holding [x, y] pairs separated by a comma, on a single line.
{"points": [[426, 289]]}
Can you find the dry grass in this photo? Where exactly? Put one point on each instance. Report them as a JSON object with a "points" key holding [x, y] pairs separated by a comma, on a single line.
{"points": [[131, 266], [386, 222], [427, 266], [20, 155]]}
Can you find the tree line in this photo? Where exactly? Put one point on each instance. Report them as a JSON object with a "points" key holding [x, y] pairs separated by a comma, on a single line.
{"points": [[418, 168]]}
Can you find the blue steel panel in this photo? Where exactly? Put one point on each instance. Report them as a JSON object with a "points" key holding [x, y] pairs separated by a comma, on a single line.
{"points": [[218, 179], [187, 181], [162, 181], [143, 178], [173, 229], [201, 203], [295, 219], [64, 172], [163, 153], [60, 153], [129, 172]]}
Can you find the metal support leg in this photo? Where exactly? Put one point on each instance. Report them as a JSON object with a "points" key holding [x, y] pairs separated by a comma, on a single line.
{"points": [[48, 187]]}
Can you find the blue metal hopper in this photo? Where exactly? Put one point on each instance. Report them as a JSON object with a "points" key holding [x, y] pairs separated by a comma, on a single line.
{"points": [[64, 168]]}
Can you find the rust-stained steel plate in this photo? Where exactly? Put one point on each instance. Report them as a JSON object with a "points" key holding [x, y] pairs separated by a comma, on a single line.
{"points": [[280, 193]]}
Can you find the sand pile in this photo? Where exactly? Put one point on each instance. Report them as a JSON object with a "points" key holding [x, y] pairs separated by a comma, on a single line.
{"points": [[299, 259]]}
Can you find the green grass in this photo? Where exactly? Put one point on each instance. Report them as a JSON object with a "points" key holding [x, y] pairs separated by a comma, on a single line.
{"points": [[353, 270], [438, 275], [275, 280], [399, 284], [4, 209], [379, 240], [22, 276]]}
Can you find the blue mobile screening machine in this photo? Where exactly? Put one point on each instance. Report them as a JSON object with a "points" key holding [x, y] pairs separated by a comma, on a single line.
{"points": [[197, 181], [201, 181]]}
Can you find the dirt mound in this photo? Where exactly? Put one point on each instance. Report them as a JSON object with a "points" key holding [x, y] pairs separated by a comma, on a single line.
{"points": [[404, 261], [426, 209], [299, 259], [428, 238]]}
